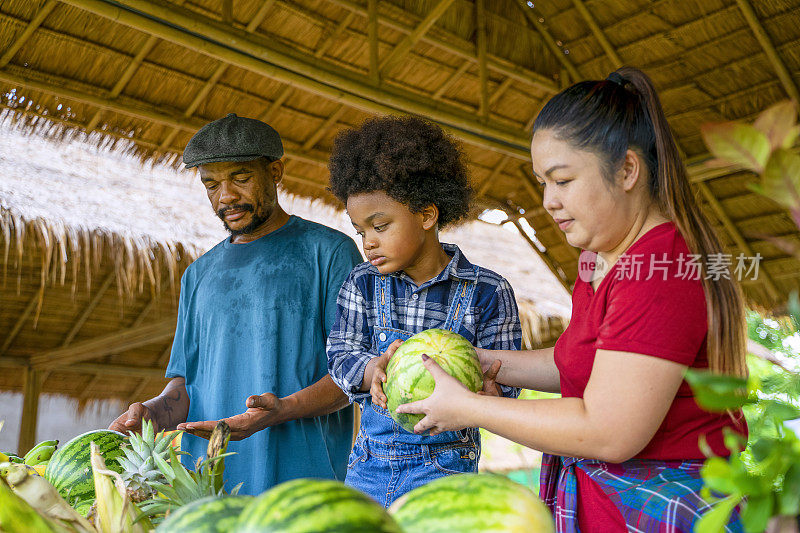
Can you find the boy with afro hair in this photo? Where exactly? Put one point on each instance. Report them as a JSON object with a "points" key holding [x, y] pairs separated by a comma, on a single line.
{"points": [[402, 179]]}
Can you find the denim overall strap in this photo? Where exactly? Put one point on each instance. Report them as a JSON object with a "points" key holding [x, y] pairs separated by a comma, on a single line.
{"points": [[383, 289], [458, 309]]}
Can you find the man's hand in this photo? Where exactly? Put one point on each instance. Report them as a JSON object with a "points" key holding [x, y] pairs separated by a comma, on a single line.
{"points": [[131, 420], [379, 374], [262, 412]]}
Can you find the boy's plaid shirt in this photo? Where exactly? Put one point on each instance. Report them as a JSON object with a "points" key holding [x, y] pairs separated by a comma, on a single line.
{"points": [[491, 321]]}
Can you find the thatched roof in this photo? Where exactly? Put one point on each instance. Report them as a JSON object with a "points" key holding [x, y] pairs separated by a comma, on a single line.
{"points": [[93, 246], [146, 73]]}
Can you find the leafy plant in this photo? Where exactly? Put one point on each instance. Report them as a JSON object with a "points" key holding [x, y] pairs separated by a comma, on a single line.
{"points": [[765, 478]]}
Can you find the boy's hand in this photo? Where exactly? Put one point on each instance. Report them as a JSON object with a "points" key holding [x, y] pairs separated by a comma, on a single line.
{"points": [[379, 374], [490, 386]]}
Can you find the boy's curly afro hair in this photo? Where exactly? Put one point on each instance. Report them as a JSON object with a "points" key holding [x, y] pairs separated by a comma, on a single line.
{"points": [[412, 160]]}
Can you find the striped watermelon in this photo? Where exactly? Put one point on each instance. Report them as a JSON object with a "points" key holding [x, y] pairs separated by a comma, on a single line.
{"points": [[472, 502], [70, 469], [83, 507], [407, 379], [315, 506], [206, 515]]}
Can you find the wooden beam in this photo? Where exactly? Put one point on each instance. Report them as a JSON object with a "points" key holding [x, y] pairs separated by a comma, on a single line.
{"points": [[689, 28], [323, 129], [31, 390], [549, 40], [496, 171], [136, 395], [140, 318], [130, 70], [203, 35], [546, 259], [769, 49], [165, 355], [413, 38], [118, 341], [162, 363], [451, 80], [19, 323], [501, 89], [17, 363], [126, 106], [326, 43], [214, 78], [598, 33], [37, 20], [733, 231], [123, 80], [372, 39], [451, 43], [227, 11], [81, 320], [480, 46], [269, 114]]}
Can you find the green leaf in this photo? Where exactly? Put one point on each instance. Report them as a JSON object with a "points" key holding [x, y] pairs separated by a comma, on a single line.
{"points": [[717, 475], [761, 448], [781, 410], [756, 511], [778, 123], [741, 145], [715, 520], [789, 496], [716, 392], [781, 178]]}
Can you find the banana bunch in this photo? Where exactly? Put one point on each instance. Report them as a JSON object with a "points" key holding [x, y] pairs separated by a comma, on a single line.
{"points": [[40, 453], [37, 457]]}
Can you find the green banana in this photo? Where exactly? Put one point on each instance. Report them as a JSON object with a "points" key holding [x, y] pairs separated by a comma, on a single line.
{"points": [[40, 453]]}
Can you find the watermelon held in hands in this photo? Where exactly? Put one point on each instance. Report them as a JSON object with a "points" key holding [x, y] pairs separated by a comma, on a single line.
{"points": [[315, 506], [70, 470], [206, 515], [407, 379], [472, 502]]}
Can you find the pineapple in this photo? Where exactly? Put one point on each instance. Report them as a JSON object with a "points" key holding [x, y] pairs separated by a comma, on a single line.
{"points": [[143, 454], [182, 486]]}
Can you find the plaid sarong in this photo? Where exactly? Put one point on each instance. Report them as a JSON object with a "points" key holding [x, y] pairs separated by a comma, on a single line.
{"points": [[652, 496]]}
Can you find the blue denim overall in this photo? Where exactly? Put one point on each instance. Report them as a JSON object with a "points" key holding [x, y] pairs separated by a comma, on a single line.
{"points": [[387, 461]]}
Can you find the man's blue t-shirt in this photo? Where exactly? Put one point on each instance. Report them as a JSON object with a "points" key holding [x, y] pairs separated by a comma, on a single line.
{"points": [[254, 318]]}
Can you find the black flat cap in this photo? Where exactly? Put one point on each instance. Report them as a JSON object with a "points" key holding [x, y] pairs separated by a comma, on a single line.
{"points": [[232, 138]]}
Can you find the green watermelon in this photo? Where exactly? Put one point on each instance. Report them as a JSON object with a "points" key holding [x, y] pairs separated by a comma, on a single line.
{"points": [[70, 470], [206, 515], [472, 502], [82, 507], [407, 379], [315, 506]]}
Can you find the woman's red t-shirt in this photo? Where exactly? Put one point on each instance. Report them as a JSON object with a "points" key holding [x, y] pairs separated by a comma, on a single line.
{"points": [[651, 302]]}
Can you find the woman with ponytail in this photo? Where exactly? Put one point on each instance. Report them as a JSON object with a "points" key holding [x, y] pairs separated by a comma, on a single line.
{"points": [[624, 444]]}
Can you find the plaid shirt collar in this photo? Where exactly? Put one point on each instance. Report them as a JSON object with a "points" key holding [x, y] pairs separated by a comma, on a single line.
{"points": [[458, 268]]}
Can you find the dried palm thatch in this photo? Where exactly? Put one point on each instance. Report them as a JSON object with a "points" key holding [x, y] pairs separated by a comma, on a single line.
{"points": [[142, 75]]}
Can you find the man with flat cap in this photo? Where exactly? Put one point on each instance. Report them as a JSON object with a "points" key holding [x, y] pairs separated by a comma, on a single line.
{"points": [[253, 318]]}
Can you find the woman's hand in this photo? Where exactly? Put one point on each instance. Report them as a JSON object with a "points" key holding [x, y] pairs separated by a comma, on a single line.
{"points": [[446, 408]]}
